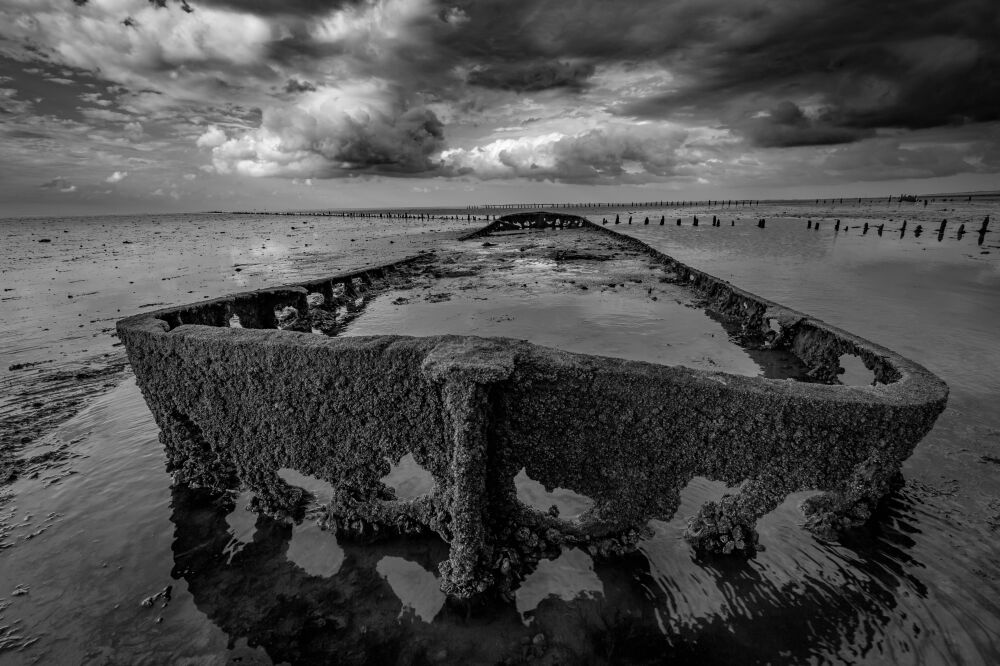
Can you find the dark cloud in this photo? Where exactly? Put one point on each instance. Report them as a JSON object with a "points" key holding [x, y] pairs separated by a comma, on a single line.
{"points": [[279, 7], [59, 184], [162, 4], [888, 158], [779, 73], [326, 143], [910, 64], [296, 86], [405, 144], [903, 63], [532, 76], [787, 125], [159, 4], [24, 134]]}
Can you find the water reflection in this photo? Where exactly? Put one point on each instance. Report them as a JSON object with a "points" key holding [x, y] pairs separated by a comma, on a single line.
{"points": [[302, 614], [799, 601], [919, 586], [824, 609]]}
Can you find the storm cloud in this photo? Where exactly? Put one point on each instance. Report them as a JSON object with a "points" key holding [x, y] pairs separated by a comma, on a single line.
{"points": [[911, 64], [326, 134], [786, 124], [304, 8], [731, 92]]}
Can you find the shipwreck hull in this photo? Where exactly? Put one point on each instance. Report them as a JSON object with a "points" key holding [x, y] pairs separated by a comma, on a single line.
{"points": [[235, 405]]}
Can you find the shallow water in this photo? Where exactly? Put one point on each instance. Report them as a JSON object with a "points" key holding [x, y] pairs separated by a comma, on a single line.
{"points": [[919, 585], [93, 271], [60, 298], [619, 304]]}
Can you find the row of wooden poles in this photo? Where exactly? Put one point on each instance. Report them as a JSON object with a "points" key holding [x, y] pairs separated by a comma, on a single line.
{"points": [[762, 223], [919, 229], [716, 221], [410, 215], [722, 203]]}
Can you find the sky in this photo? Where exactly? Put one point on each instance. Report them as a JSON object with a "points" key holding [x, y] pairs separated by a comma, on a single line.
{"points": [[170, 105]]}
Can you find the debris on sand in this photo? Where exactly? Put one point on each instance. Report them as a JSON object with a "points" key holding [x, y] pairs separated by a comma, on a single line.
{"points": [[163, 594]]}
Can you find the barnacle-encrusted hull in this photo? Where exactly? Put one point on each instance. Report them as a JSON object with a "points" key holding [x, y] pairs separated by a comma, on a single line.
{"points": [[235, 405]]}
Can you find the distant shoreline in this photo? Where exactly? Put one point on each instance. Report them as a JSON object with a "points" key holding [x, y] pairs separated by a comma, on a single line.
{"points": [[499, 208]]}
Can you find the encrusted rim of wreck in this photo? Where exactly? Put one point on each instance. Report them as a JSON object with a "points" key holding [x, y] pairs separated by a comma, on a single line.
{"points": [[236, 404], [817, 343]]}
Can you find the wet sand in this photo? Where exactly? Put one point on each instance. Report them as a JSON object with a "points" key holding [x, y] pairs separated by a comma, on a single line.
{"points": [[100, 528], [67, 280]]}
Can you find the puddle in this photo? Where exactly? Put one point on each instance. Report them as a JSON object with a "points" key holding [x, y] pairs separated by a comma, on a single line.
{"points": [[568, 577], [416, 587], [408, 479], [854, 371], [570, 504], [553, 293], [315, 550]]}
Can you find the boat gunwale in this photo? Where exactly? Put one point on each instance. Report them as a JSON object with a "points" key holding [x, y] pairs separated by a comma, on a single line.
{"points": [[915, 384]]}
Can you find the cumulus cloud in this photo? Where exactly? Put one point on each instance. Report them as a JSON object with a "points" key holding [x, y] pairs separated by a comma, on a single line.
{"points": [[589, 91], [332, 132], [213, 137], [116, 177], [92, 38], [295, 86], [133, 131], [11, 105], [454, 16], [634, 153]]}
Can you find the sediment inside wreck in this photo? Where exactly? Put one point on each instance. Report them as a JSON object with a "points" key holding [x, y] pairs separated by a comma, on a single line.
{"points": [[302, 377]]}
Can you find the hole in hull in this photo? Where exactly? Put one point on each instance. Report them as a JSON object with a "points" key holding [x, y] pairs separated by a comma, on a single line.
{"points": [[532, 493], [408, 479], [311, 548], [288, 318], [853, 371]]}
